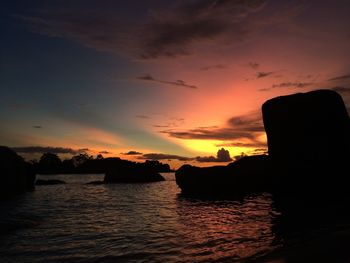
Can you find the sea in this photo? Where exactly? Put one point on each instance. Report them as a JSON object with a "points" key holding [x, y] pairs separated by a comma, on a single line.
{"points": [[151, 222]]}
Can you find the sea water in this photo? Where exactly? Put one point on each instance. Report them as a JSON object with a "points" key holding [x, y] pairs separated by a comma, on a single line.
{"points": [[152, 222]]}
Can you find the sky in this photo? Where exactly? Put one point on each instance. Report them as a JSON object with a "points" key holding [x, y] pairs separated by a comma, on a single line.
{"points": [[173, 81]]}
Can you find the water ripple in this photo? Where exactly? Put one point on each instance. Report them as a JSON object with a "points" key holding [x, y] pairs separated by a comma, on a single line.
{"points": [[131, 223]]}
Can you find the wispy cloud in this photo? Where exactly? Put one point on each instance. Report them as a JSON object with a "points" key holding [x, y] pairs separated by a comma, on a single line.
{"points": [[289, 85], [292, 85], [162, 126], [246, 127], [260, 75], [105, 152], [142, 117], [249, 144], [340, 78], [37, 126], [132, 153], [180, 83], [254, 65], [49, 149], [161, 156]]}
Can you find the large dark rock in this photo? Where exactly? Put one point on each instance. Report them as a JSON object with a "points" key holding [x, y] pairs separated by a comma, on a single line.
{"points": [[121, 171], [309, 145], [248, 175], [307, 127], [309, 149], [16, 176]]}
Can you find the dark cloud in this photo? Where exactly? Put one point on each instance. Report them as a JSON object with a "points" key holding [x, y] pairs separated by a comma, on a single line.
{"points": [[208, 127], [104, 152], [180, 83], [254, 65], [260, 75], [292, 84], [289, 85], [250, 144], [37, 126], [177, 119], [209, 134], [132, 153], [142, 116], [218, 66], [260, 151], [161, 156], [221, 156], [162, 126], [56, 150], [240, 127], [84, 150], [340, 78], [165, 32], [251, 122], [174, 31]]}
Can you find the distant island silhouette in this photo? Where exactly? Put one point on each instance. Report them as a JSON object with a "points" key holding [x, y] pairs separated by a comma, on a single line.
{"points": [[18, 176]]}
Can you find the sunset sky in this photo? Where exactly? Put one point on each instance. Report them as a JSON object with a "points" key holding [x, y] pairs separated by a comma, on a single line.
{"points": [[157, 79]]}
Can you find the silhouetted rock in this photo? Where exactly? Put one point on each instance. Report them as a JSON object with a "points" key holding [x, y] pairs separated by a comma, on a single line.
{"points": [[49, 182], [158, 166], [309, 145], [16, 176], [307, 127], [309, 150], [248, 175], [121, 171]]}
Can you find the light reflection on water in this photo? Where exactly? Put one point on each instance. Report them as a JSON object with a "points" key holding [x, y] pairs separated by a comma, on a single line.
{"points": [[76, 222]]}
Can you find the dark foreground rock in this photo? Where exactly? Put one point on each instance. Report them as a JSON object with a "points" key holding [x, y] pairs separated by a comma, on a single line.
{"points": [[309, 146], [248, 175], [309, 149], [16, 176], [49, 182], [132, 176], [120, 171], [307, 128]]}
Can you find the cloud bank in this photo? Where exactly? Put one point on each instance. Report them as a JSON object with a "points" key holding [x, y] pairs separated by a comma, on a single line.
{"points": [[56, 150], [180, 28], [132, 153]]}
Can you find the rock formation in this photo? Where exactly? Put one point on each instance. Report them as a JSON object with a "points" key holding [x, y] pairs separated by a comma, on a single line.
{"points": [[309, 144], [309, 150], [16, 176], [247, 175], [121, 171], [307, 127]]}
